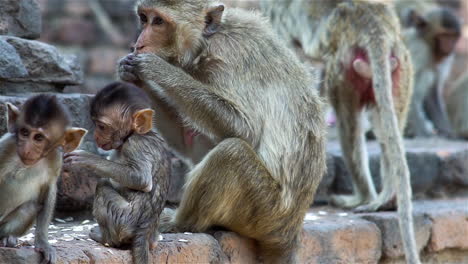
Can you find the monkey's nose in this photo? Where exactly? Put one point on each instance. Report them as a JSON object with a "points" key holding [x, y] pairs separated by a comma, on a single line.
{"points": [[138, 48]]}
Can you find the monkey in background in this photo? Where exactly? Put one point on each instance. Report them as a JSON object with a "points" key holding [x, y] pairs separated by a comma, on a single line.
{"points": [[367, 67], [135, 181], [458, 106], [431, 34], [223, 73], [30, 163]]}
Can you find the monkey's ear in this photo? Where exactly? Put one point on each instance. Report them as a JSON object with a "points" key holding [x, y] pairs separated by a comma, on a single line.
{"points": [[12, 115], [72, 138], [143, 121], [416, 20], [213, 20]]}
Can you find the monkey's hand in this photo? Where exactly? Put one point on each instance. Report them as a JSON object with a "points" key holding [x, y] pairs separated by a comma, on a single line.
{"points": [[126, 69], [49, 255], [79, 158], [149, 67]]}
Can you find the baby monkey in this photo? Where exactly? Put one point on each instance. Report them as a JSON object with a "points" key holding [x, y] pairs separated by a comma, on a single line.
{"points": [[30, 163], [134, 182]]}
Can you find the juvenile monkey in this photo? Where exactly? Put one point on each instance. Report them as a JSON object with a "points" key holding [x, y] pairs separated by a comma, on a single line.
{"points": [[367, 67], [134, 185], [225, 75], [431, 35], [30, 163]]}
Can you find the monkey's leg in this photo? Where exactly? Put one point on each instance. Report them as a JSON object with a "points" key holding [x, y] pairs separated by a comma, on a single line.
{"points": [[353, 145], [232, 188], [114, 214], [387, 197], [435, 108], [418, 123], [17, 223]]}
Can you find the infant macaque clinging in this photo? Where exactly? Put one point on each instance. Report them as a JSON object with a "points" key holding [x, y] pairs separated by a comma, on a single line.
{"points": [[30, 163], [134, 182]]}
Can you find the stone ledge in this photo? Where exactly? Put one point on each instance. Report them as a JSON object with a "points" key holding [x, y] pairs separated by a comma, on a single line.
{"points": [[329, 236], [438, 167]]}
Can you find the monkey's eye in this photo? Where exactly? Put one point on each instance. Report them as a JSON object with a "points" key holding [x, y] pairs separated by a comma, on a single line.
{"points": [[143, 18], [100, 126], [24, 132], [158, 21], [39, 137]]}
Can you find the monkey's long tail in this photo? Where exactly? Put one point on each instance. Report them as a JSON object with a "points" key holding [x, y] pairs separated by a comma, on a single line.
{"points": [[141, 246], [382, 84]]}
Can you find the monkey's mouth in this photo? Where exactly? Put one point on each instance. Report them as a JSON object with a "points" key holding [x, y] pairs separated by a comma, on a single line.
{"points": [[106, 147], [28, 162]]}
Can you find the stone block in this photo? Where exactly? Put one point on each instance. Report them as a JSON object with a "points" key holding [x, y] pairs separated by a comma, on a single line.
{"points": [[21, 18], [388, 224], [44, 64], [340, 240], [449, 223]]}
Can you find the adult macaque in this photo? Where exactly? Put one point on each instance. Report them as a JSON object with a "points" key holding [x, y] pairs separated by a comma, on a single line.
{"points": [[135, 181], [30, 163], [431, 35], [224, 74], [367, 68], [458, 106]]}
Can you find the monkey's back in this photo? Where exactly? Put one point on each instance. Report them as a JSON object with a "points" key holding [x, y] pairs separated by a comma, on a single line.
{"points": [[284, 114], [157, 156]]}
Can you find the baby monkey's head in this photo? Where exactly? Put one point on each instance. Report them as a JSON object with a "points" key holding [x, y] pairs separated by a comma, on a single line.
{"points": [[119, 110]]}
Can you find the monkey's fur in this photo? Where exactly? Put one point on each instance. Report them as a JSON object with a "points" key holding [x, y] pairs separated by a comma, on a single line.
{"points": [[227, 76], [458, 106], [367, 67], [431, 35], [30, 164], [135, 180]]}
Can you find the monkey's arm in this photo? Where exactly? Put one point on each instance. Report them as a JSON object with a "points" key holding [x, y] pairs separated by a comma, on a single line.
{"points": [[42, 222], [134, 174], [211, 113]]}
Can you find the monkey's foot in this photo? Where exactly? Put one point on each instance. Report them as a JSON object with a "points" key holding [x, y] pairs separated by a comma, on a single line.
{"points": [[384, 204], [9, 241], [166, 221], [346, 201], [95, 234]]}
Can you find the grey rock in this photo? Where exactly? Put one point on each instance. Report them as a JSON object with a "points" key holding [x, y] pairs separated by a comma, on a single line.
{"points": [[387, 222], [21, 18], [438, 167], [12, 88], [11, 65], [44, 63]]}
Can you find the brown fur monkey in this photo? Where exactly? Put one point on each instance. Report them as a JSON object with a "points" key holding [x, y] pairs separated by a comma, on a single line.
{"points": [[367, 67], [431, 36], [132, 192], [30, 163], [228, 77]]}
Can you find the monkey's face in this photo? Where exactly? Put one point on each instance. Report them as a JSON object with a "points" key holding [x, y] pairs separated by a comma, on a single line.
{"points": [[32, 144], [112, 128], [157, 31], [108, 137]]}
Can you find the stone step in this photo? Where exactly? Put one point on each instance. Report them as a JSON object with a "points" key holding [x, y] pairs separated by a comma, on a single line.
{"points": [[329, 236], [438, 168]]}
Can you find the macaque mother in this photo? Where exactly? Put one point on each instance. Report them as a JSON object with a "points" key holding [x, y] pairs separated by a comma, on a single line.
{"points": [[232, 98]]}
